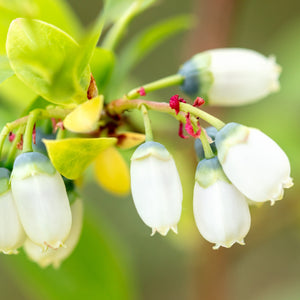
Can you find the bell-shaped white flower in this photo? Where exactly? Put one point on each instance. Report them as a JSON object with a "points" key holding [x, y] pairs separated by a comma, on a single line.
{"points": [[41, 199], [56, 256], [253, 162], [156, 187], [12, 234], [230, 76], [221, 211]]}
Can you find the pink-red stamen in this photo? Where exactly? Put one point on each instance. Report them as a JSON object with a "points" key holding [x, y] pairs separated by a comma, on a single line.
{"points": [[189, 127], [198, 102], [60, 125], [34, 134], [180, 131], [141, 91], [175, 103], [11, 136]]}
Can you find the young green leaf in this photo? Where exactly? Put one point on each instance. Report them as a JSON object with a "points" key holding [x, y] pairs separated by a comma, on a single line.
{"points": [[115, 34], [56, 12], [72, 156], [102, 65], [44, 58], [5, 69], [115, 8], [88, 44]]}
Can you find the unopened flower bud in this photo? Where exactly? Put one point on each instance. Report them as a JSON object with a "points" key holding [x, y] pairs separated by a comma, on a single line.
{"points": [[12, 234], [41, 199], [253, 162], [221, 211], [230, 76], [156, 187], [56, 256]]}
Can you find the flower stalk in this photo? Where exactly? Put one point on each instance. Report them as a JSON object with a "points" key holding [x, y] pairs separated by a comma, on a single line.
{"points": [[206, 146], [147, 124], [172, 80], [57, 112]]}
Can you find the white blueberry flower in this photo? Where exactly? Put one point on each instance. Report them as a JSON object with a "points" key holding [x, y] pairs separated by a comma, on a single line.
{"points": [[12, 234], [41, 199], [156, 187], [56, 256], [253, 162], [221, 212], [230, 76]]}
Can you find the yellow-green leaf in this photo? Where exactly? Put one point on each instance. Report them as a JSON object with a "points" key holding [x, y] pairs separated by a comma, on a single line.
{"points": [[72, 156], [43, 57], [5, 69], [84, 118], [112, 172], [127, 140]]}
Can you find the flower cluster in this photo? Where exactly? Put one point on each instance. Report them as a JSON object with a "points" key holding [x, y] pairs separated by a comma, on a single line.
{"points": [[248, 165], [36, 211], [237, 164]]}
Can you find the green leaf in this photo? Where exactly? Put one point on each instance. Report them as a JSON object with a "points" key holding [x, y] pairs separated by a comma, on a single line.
{"points": [[38, 102], [16, 94], [88, 45], [5, 69], [43, 57], [115, 8], [56, 12], [102, 65], [115, 34], [97, 268], [72, 156]]}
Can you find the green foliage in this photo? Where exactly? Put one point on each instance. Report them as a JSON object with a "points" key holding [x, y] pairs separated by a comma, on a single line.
{"points": [[102, 65], [72, 156], [88, 45], [56, 12], [5, 68], [114, 9], [43, 57]]}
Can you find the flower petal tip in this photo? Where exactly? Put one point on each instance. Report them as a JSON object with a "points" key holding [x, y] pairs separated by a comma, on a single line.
{"points": [[164, 230], [241, 242], [228, 244], [288, 183], [9, 252], [54, 245], [174, 229]]}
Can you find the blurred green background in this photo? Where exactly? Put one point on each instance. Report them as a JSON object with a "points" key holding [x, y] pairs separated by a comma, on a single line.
{"points": [[116, 257]]}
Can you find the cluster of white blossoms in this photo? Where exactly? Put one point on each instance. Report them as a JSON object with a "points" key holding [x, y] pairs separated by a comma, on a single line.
{"points": [[246, 165], [35, 211]]}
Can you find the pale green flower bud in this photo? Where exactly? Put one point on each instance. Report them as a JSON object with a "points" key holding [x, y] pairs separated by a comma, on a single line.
{"points": [[41, 199], [253, 162], [221, 212], [156, 187], [230, 76], [12, 234]]}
